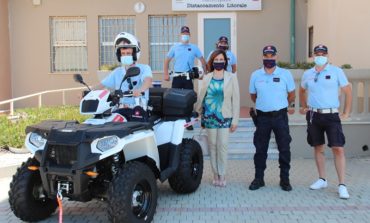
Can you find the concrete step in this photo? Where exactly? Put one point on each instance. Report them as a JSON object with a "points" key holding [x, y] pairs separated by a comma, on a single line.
{"points": [[241, 142]]}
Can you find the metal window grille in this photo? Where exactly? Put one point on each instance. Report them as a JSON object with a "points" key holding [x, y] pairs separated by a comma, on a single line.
{"points": [[163, 34], [109, 27], [68, 44]]}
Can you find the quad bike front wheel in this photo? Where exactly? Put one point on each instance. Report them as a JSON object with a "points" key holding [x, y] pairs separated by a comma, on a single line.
{"points": [[26, 197], [188, 176], [132, 196]]}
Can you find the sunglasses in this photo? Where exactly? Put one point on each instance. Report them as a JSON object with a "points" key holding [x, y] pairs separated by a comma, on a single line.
{"points": [[316, 77]]}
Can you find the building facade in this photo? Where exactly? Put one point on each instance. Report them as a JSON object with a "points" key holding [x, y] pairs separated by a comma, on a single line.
{"points": [[5, 74], [45, 42]]}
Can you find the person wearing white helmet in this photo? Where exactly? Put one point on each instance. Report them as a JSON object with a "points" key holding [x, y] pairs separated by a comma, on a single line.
{"points": [[127, 49]]}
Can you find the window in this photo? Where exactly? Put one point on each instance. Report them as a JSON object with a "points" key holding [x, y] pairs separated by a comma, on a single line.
{"points": [[109, 27], [68, 44], [163, 34], [310, 41]]}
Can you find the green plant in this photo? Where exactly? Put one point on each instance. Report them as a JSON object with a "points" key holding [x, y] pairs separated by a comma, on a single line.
{"points": [[108, 66], [298, 65], [346, 66], [13, 131]]}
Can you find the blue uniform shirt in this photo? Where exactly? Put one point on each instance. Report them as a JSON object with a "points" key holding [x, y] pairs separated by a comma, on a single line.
{"points": [[114, 79], [271, 89], [231, 59], [184, 55], [324, 93]]}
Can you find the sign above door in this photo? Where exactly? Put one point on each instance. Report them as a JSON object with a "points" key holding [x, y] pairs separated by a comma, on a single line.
{"points": [[216, 5]]}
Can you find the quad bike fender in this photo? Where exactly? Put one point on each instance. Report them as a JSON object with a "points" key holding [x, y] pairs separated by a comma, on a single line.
{"points": [[169, 132], [134, 146], [115, 117]]}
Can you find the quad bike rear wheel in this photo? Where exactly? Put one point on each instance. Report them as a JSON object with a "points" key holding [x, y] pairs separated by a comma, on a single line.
{"points": [[132, 196], [188, 176], [26, 197]]}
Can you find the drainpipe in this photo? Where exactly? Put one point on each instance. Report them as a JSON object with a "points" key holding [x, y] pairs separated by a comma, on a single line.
{"points": [[292, 31]]}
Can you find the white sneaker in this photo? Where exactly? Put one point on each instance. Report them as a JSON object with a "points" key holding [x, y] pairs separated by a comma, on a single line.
{"points": [[319, 184], [343, 192]]}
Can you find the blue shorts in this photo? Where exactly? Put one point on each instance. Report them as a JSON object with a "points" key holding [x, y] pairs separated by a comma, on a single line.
{"points": [[318, 124]]}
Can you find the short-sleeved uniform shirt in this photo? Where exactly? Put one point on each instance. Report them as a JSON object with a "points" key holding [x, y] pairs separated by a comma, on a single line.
{"points": [[271, 89], [231, 59], [323, 87], [184, 55], [114, 79]]}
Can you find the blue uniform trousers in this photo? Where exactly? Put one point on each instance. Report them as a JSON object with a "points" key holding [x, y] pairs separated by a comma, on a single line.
{"points": [[277, 122], [182, 82]]}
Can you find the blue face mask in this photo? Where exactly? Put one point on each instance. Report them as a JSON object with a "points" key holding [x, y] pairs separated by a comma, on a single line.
{"points": [[185, 38], [269, 63], [321, 60], [219, 65], [127, 60]]}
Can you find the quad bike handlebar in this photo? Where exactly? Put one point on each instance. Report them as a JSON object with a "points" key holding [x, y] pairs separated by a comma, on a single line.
{"points": [[118, 94]]}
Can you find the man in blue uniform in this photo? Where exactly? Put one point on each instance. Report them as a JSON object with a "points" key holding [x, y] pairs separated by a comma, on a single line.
{"points": [[184, 55], [127, 49], [273, 90], [322, 84], [223, 44]]}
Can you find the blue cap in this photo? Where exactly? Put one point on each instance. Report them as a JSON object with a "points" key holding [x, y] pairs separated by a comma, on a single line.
{"points": [[320, 48], [223, 39], [269, 49], [185, 29]]}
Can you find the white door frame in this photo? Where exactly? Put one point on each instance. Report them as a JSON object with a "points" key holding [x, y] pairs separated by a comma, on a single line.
{"points": [[229, 15]]}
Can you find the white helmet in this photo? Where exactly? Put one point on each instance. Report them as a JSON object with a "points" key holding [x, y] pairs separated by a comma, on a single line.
{"points": [[127, 40]]}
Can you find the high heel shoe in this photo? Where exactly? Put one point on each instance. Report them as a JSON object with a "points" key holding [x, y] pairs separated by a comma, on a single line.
{"points": [[215, 181], [222, 182]]}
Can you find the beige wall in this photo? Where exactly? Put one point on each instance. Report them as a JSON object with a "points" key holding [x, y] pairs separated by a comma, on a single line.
{"points": [[269, 26], [301, 31], [30, 58], [344, 27], [5, 92]]}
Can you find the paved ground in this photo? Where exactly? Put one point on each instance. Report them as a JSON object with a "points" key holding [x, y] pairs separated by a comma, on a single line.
{"points": [[236, 203]]}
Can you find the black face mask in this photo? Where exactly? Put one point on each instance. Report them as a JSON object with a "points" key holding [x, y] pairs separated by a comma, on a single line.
{"points": [[223, 48], [219, 65], [269, 63]]}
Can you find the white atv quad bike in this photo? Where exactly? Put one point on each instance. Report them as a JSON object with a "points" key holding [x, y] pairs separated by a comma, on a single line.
{"points": [[109, 159]]}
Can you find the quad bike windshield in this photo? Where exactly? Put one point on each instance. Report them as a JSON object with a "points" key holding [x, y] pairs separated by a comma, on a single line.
{"points": [[99, 102]]}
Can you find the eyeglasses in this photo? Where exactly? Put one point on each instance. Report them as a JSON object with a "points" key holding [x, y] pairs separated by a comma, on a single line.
{"points": [[316, 77]]}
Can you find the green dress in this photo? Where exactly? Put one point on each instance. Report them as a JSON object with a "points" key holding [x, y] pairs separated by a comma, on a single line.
{"points": [[212, 106]]}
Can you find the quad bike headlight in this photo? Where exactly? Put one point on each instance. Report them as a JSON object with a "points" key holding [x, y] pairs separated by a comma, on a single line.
{"points": [[37, 140], [107, 143]]}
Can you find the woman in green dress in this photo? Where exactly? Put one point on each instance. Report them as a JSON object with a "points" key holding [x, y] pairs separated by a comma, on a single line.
{"points": [[219, 106]]}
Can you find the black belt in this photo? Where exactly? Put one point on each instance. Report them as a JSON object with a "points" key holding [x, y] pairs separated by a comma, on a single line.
{"points": [[272, 113], [183, 74]]}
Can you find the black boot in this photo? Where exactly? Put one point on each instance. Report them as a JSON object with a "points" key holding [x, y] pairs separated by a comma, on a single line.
{"points": [[256, 184], [285, 185]]}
